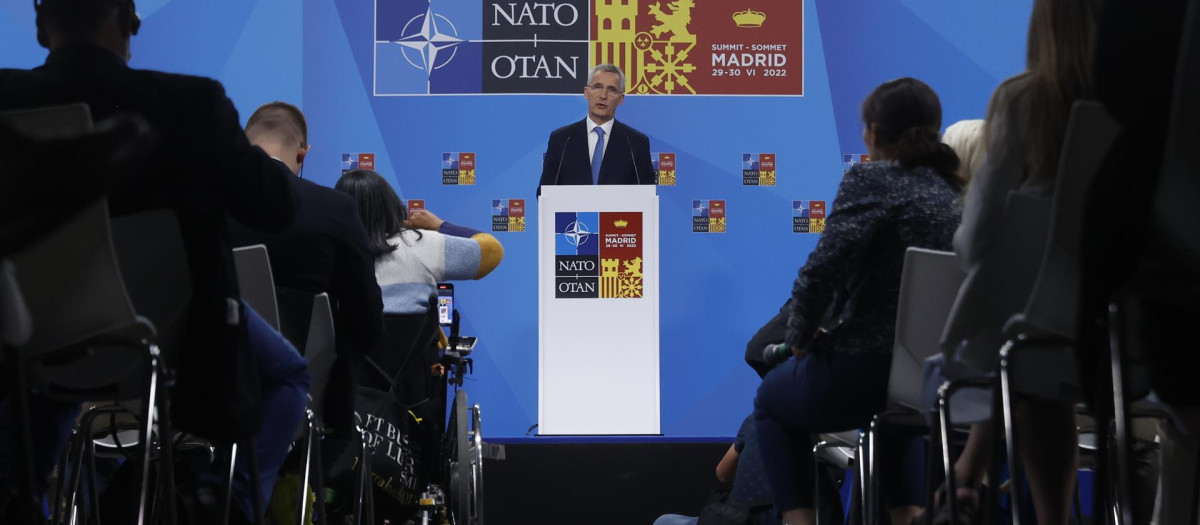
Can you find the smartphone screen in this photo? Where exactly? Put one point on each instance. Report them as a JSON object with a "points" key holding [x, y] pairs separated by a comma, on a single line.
{"points": [[445, 303]]}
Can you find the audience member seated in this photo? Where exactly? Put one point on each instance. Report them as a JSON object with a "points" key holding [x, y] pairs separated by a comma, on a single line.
{"points": [[1025, 129], [236, 377], [1137, 56], [412, 254], [965, 137], [749, 495], [908, 196], [325, 250]]}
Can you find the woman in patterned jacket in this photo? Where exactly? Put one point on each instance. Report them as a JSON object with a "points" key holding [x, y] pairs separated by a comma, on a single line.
{"points": [[837, 380]]}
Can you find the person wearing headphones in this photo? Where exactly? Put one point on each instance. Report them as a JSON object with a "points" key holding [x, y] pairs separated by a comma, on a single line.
{"points": [[598, 149], [236, 378]]}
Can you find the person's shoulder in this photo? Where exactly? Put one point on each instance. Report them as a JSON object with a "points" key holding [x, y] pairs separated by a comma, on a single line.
{"points": [[872, 171], [566, 129], [192, 85], [330, 200]]}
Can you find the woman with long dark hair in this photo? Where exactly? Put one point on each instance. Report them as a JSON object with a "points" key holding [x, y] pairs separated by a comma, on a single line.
{"points": [[1024, 132], [906, 196], [412, 254]]}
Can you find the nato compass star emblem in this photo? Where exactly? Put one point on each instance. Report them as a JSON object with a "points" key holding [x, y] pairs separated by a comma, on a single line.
{"points": [[430, 41], [576, 233]]}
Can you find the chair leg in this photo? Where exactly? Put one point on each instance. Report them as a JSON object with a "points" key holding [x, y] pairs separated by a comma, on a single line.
{"points": [[77, 480], [147, 437], [1124, 501], [995, 438], [947, 458], [1014, 470], [93, 485], [60, 491], [864, 483], [818, 508], [308, 456], [227, 501], [165, 431], [319, 481], [933, 451], [872, 473]]}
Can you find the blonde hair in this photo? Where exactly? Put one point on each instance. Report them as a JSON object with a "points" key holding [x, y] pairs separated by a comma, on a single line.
{"points": [[965, 137]]}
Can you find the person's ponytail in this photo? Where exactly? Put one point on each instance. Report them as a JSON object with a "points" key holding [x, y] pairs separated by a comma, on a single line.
{"points": [[921, 146]]}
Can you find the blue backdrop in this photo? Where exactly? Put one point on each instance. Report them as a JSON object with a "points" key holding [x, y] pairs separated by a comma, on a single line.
{"points": [[717, 288]]}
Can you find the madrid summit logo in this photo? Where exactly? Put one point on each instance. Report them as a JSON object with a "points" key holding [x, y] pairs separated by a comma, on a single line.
{"points": [[666, 47], [808, 216], [357, 161], [508, 215], [758, 169], [708, 216], [664, 165], [598, 255], [458, 169]]}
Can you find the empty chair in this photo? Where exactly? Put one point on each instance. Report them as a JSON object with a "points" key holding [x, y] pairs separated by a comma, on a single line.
{"points": [[307, 321], [255, 281]]}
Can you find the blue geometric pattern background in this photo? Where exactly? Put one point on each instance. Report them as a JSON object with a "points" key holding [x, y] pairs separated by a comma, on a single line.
{"points": [[716, 289]]}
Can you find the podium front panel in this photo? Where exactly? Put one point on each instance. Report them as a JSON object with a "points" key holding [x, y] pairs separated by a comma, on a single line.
{"points": [[598, 281]]}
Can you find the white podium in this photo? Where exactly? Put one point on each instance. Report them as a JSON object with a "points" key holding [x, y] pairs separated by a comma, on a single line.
{"points": [[598, 369]]}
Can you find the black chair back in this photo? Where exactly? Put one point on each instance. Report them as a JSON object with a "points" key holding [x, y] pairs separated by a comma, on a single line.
{"points": [[154, 266]]}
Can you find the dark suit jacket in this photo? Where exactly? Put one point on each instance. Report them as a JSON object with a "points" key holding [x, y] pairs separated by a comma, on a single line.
{"points": [[325, 251], [203, 168], [626, 159]]}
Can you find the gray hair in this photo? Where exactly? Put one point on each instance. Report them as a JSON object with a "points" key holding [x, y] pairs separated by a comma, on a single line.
{"points": [[607, 68]]}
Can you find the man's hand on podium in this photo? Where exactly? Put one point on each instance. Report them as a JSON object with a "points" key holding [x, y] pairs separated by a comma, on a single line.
{"points": [[424, 220]]}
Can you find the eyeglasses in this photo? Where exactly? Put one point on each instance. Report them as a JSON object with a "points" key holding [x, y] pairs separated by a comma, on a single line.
{"points": [[612, 91]]}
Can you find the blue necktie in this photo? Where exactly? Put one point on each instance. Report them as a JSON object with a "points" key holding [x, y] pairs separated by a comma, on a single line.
{"points": [[597, 155]]}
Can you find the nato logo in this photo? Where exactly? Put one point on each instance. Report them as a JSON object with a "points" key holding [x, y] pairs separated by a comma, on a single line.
{"points": [[450, 161], [750, 162], [577, 255], [449, 47], [577, 233]]}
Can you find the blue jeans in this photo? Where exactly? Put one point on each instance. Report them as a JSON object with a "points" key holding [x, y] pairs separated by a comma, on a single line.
{"points": [[829, 393], [283, 377]]}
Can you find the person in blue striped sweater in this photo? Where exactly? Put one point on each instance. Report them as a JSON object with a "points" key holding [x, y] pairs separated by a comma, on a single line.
{"points": [[412, 254]]}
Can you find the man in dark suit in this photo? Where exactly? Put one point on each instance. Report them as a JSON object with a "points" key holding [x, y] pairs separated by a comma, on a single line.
{"points": [[323, 251], [236, 378], [598, 149]]}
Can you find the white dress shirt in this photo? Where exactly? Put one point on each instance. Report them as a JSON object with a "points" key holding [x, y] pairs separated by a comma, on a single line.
{"points": [[591, 134]]}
